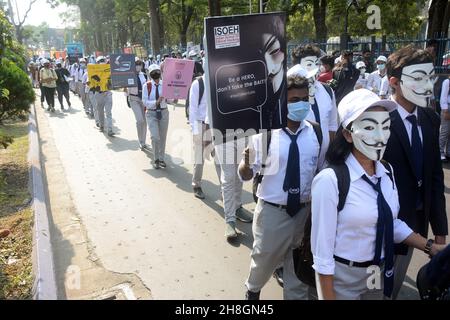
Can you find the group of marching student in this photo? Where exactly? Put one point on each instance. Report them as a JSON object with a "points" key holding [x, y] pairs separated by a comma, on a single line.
{"points": [[368, 204]]}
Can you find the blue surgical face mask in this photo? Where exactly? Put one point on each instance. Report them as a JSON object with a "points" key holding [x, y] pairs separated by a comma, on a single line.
{"points": [[298, 111], [381, 67]]}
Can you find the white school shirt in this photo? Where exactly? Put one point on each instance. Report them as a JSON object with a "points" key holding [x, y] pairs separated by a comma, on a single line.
{"points": [[271, 187], [374, 81], [197, 112], [445, 94], [361, 83], [135, 90], [150, 101], [85, 79], [328, 117], [81, 74], [408, 126], [385, 88], [351, 233]]}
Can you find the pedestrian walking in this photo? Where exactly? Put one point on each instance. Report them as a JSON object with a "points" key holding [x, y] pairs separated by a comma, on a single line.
{"points": [[355, 222], [157, 115], [135, 102], [62, 84], [413, 151], [48, 79], [376, 77], [104, 105]]}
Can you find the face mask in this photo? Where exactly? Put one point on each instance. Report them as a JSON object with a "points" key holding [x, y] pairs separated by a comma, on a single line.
{"points": [[310, 63], [362, 70], [416, 86], [370, 133], [381, 67], [138, 69], [298, 111]]}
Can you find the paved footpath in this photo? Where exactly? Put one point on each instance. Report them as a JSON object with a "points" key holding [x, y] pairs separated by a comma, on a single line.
{"points": [[144, 222]]}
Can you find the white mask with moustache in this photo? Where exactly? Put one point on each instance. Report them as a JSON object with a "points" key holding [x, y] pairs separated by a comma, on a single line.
{"points": [[417, 83], [371, 132]]}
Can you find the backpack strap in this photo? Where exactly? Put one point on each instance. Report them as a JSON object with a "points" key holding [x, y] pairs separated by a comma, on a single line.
{"points": [[343, 181], [329, 90], [318, 132]]}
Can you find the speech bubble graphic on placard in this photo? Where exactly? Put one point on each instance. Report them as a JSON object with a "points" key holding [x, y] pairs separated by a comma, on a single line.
{"points": [[241, 86]]}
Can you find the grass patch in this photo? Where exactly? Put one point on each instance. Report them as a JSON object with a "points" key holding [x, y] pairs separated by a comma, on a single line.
{"points": [[16, 277]]}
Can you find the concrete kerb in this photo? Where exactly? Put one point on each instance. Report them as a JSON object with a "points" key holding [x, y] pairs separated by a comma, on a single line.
{"points": [[44, 287]]}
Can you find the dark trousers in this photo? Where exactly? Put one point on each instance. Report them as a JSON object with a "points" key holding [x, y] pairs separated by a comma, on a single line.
{"points": [[63, 91], [42, 94], [49, 96]]}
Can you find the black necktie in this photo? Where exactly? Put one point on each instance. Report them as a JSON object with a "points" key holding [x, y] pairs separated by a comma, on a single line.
{"points": [[315, 109], [417, 153], [291, 183], [385, 229], [158, 105]]}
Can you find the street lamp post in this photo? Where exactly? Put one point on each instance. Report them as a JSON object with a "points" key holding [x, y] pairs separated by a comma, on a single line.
{"points": [[344, 36]]}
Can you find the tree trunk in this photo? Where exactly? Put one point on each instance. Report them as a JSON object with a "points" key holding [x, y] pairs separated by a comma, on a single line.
{"points": [[155, 26], [319, 13], [214, 8]]}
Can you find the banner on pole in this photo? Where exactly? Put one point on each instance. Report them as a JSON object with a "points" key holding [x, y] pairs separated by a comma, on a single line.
{"points": [[177, 78], [246, 72], [74, 51]]}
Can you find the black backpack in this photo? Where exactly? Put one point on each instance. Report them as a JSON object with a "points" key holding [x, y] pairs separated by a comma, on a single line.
{"points": [[258, 178], [303, 258]]}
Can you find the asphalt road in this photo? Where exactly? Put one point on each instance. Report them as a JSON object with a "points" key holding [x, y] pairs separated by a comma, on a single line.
{"points": [[147, 222]]}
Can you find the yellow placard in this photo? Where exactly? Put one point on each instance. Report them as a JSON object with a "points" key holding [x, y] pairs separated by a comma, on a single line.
{"points": [[99, 76]]}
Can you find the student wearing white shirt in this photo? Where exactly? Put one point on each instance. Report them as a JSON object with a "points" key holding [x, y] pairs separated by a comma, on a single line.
{"points": [[385, 89], [445, 121], [202, 140], [375, 78], [157, 116], [363, 77], [81, 85], [353, 249], [322, 97], [135, 102], [284, 193]]}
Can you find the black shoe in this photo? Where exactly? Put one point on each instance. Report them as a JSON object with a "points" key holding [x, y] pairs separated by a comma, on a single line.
{"points": [[198, 193], [249, 295], [155, 164], [101, 129], [243, 216], [62, 108], [111, 133], [162, 164], [278, 275]]}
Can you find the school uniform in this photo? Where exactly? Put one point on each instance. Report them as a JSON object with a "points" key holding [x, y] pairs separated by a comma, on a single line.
{"points": [[419, 177], [339, 240], [385, 88], [324, 112], [277, 228], [158, 127], [200, 133], [374, 81], [81, 81], [134, 96], [362, 81]]}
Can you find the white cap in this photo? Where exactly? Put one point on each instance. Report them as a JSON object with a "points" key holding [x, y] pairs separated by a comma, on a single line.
{"points": [[82, 60], [360, 64], [297, 70], [356, 102], [100, 58], [382, 58], [193, 53], [153, 67], [44, 61], [136, 59]]}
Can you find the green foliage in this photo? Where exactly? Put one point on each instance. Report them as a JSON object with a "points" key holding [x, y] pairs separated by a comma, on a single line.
{"points": [[20, 91]]}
